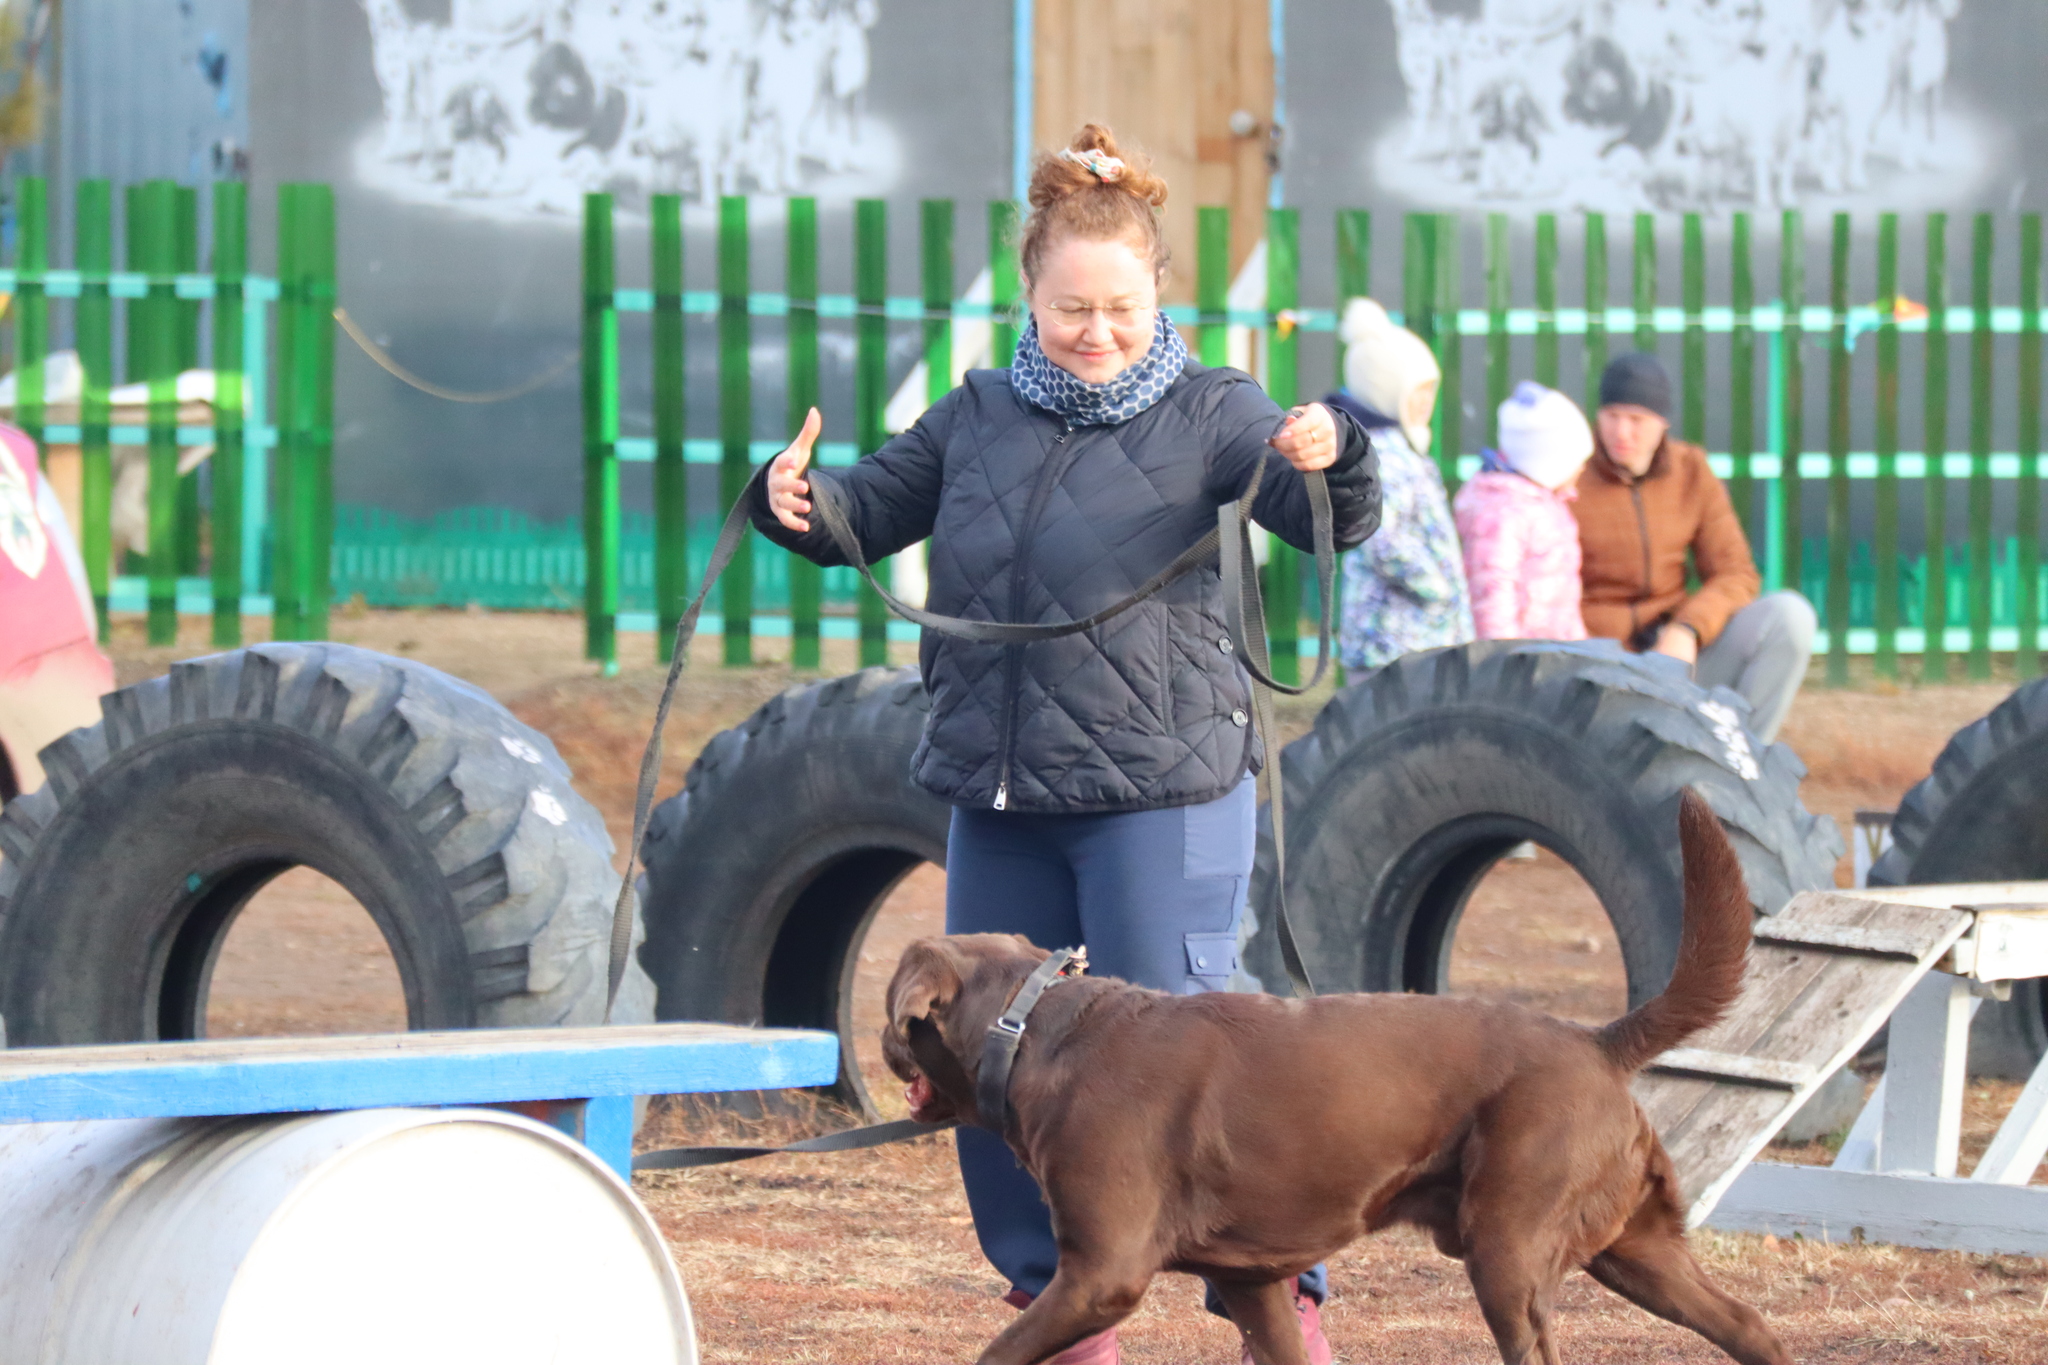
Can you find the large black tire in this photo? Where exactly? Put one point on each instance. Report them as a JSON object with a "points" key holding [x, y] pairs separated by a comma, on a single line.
{"points": [[790, 831], [1982, 816], [454, 826], [1418, 778]]}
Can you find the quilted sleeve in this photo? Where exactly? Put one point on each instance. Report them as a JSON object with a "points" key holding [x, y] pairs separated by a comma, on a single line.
{"points": [[891, 497], [1244, 419]]}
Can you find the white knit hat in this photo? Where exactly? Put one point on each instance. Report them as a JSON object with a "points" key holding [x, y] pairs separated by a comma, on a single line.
{"points": [[1384, 363], [1543, 435]]}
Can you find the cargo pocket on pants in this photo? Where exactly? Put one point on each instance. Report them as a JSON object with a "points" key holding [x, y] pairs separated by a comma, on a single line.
{"points": [[1221, 836], [1212, 961]]}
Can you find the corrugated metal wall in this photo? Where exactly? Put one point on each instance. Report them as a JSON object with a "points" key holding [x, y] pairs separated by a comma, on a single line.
{"points": [[151, 88]]}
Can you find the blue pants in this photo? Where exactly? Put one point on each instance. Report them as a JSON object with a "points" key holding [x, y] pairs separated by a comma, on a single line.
{"points": [[1155, 896]]}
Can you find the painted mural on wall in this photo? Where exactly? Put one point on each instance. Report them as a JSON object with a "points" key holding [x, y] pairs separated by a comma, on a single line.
{"points": [[1620, 104], [520, 107]]}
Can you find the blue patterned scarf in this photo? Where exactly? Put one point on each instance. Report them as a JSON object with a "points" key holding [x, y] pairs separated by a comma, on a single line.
{"points": [[1045, 385]]}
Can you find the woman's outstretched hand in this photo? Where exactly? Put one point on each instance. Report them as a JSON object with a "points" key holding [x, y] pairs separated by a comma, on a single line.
{"points": [[788, 490], [1309, 440]]}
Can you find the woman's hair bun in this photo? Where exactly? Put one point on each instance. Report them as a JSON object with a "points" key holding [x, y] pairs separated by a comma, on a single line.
{"points": [[1094, 189], [1063, 173]]}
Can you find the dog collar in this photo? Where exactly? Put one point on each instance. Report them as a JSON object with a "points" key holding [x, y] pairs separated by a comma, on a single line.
{"points": [[999, 1050]]}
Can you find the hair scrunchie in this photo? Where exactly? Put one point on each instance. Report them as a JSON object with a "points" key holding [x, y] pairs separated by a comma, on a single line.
{"points": [[1101, 165]]}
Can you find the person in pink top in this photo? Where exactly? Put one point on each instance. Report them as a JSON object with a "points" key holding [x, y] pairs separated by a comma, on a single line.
{"points": [[52, 672], [1515, 519]]}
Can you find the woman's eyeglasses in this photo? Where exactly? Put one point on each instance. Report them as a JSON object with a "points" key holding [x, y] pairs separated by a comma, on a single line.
{"points": [[1123, 313]]}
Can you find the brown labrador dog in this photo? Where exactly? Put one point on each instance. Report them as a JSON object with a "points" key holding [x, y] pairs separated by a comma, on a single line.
{"points": [[1246, 1137]]}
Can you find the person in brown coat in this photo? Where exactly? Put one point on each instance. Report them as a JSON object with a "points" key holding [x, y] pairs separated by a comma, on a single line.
{"points": [[1645, 502]]}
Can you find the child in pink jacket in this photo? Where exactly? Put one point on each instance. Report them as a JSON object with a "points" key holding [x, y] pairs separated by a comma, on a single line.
{"points": [[1515, 519]]}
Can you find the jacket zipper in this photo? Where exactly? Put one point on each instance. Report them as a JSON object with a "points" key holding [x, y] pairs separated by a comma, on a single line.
{"points": [[1013, 662], [1635, 492]]}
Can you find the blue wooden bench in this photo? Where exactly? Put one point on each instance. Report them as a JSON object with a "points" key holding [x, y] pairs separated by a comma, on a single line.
{"points": [[581, 1080]]}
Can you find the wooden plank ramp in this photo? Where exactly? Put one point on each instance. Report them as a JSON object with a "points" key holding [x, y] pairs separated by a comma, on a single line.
{"points": [[1824, 974], [1895, 1178]]}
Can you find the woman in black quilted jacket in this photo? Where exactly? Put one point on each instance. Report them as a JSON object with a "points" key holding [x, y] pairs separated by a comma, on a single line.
{"points": [[1101, 782]]}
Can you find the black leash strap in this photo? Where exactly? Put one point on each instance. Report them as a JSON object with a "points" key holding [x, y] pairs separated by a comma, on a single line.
{"points": [[728, 544], [851, 1140], [825, 502], [1244, 611]]}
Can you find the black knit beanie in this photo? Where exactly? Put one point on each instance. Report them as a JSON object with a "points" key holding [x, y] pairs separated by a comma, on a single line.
{"points": [[1639, 379]]}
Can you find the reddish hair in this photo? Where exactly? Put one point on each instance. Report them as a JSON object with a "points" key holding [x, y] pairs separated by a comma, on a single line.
{"points": [[1069, 200]]}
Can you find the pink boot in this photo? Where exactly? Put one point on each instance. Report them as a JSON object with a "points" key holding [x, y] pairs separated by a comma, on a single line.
{"points": [[1099, 1349], [1311, 1331]]}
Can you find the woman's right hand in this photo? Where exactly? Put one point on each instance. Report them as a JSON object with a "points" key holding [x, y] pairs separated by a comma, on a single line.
{"points": [[788, 490]]}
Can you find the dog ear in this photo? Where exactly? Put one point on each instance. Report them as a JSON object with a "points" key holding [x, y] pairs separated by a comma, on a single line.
{"points": [[927, 980]]}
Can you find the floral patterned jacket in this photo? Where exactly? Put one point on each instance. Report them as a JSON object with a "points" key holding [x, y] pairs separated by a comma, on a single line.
{"points": [[1404, 589]]}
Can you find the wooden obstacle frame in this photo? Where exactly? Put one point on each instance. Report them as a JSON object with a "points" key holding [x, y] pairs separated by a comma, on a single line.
{"points": [[1825, 974]]}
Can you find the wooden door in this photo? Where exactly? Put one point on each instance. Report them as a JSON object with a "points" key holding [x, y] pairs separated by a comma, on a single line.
{"points": [[1167, 75]]}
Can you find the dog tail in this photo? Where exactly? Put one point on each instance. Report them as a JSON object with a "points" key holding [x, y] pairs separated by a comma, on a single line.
{"points": [[1713, 947]]}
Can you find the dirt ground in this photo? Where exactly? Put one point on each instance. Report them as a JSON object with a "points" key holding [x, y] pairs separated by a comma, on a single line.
{"points": [[870, 1256], [875, 1260], [303, 958]]}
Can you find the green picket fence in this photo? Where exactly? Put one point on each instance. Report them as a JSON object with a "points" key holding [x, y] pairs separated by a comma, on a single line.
{"points": [[736, 451], [503, 561], [216, 546], [1774, 513], [1876, 596]]}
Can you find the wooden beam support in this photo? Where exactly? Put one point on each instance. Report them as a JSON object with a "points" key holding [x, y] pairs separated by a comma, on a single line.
{"points": [[1924, 1071], [604, 1125], [1826, 1205], [1894, 1179], [1866, 1134], [2016, 1151], [1950, 895]]}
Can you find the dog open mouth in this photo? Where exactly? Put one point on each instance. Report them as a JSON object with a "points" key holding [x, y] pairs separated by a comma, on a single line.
{"points": [[921, 1095]]}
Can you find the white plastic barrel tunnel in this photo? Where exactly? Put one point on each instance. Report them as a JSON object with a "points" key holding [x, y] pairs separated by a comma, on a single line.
{"points": [[395, 1236]]}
